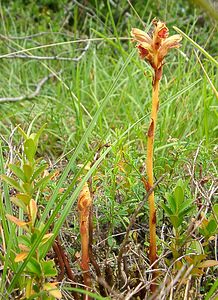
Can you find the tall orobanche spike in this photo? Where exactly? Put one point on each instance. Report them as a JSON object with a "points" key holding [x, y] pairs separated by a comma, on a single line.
{"points": [[154, 48]]}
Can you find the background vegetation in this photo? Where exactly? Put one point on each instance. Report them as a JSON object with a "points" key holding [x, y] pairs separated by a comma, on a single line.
{"points": [[96, 35]]}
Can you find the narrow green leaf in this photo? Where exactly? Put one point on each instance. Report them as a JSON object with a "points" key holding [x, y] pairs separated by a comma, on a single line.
{"points": [[185, 212], [38, 171], [211, 226], [19, 203], [34, 267], [24, 239], [167, 210], [215, 208], [30, 149], [25, 136], [37, 135], [179, 196], [92, 295], [34, 237], [176, 221], [3, 219], [17, 171], [185, 204], [32, 122], [27, 188], [5, 206], [7, 201], [24, 197], [196, 45], [171, 202], [42, 182], [212, 290], [12, 182], [28, 171], [9, 261]]}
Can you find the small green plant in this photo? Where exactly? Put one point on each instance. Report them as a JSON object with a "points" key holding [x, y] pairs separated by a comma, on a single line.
{"points": [[177, 208], [28, 180], [187, 251]]}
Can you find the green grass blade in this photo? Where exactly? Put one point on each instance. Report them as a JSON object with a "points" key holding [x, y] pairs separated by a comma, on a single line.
{"points": [[6, 207], [7, 262], [92, 295], [212, 290], [207, 76], [196, 45], [4, 220]]}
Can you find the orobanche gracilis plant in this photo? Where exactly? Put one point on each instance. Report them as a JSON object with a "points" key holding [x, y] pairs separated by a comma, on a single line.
{"points": [[153, 49]]}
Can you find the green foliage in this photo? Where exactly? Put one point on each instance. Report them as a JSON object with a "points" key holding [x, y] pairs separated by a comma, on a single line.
{"points": [[212, 290], [209, 225], [74, 133], [29, 181], [177, 207]]}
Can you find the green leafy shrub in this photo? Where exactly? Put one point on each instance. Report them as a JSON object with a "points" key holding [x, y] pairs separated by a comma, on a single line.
{"points": [[29, 179]]}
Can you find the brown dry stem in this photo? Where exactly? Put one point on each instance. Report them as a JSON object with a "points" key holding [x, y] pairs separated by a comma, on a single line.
{"points": [[64, 264]]}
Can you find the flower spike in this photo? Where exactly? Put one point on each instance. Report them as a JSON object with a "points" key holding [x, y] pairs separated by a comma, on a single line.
{"points": [[154, 48]]}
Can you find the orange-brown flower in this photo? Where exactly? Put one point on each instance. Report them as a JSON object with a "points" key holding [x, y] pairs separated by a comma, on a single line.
{"points": [[154, 48]]}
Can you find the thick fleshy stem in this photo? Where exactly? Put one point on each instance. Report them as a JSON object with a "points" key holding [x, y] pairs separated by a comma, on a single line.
{"points": [[153, 48], [150, 150], [84, 205]]}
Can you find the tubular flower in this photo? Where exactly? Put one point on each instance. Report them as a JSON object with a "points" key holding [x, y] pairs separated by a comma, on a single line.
{"points": [[154, 48]]}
